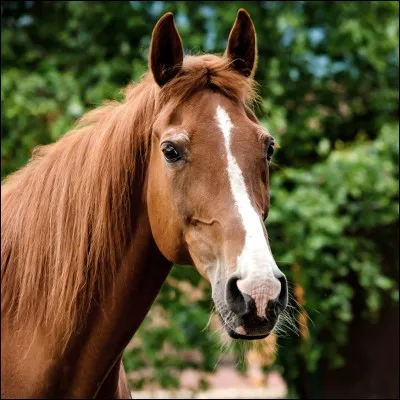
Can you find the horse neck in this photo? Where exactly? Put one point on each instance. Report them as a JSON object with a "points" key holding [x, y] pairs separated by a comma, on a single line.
{"points": [[112, 324]]}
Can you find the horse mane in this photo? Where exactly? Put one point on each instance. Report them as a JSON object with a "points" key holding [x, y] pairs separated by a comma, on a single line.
{"points": [[67, 215]]}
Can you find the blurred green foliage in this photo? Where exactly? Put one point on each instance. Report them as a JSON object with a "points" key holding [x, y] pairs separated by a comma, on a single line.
{"points": [[328, 78]]}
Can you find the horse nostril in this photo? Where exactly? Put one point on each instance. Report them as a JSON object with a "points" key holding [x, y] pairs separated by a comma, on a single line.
{"points": [[283, 295], [276, 307], [237, 302]]}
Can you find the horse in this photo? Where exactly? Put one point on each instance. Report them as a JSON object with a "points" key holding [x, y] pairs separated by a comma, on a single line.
{"points": [[176, 172]]}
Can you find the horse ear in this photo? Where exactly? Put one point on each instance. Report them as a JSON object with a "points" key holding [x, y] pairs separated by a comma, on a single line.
{"points": [[242, 44], [166, 50]]}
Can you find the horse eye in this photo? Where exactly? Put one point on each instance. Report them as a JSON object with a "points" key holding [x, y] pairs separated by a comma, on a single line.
{"points": [[171, 154], [270, 150]]}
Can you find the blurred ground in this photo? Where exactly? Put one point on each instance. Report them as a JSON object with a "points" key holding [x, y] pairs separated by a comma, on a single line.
{"points": [[226, 383]]}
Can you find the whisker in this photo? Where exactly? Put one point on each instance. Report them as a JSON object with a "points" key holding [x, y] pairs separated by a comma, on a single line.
{"points": [[209, 321]]}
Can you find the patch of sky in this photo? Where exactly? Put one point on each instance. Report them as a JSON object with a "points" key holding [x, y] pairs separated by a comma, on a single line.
{"points": [[321, 65], [24, 20], [182, 21], [339, 66], [135, 5], [288, 36], [347, 64], [316, 35], [209, 41], [294, 74], [156, 8], [318, 65], [207, 11], [209, 15]]}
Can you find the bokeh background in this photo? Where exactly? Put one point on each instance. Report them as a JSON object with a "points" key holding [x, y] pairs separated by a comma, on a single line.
{"points": [[328, 79]]}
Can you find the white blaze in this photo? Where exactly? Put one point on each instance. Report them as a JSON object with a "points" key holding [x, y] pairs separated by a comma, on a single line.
{"points": [[256, 260]]}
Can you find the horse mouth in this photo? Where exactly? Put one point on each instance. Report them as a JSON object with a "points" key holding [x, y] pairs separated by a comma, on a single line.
{"points": [[235, 335]]}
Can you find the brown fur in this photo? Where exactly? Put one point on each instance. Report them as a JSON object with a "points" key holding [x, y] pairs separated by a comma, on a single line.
{"points": [[92, 224], [66, 216]]}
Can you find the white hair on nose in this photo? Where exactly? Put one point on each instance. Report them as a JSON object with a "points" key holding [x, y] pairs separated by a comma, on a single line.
{"points": [[255, 261]]}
